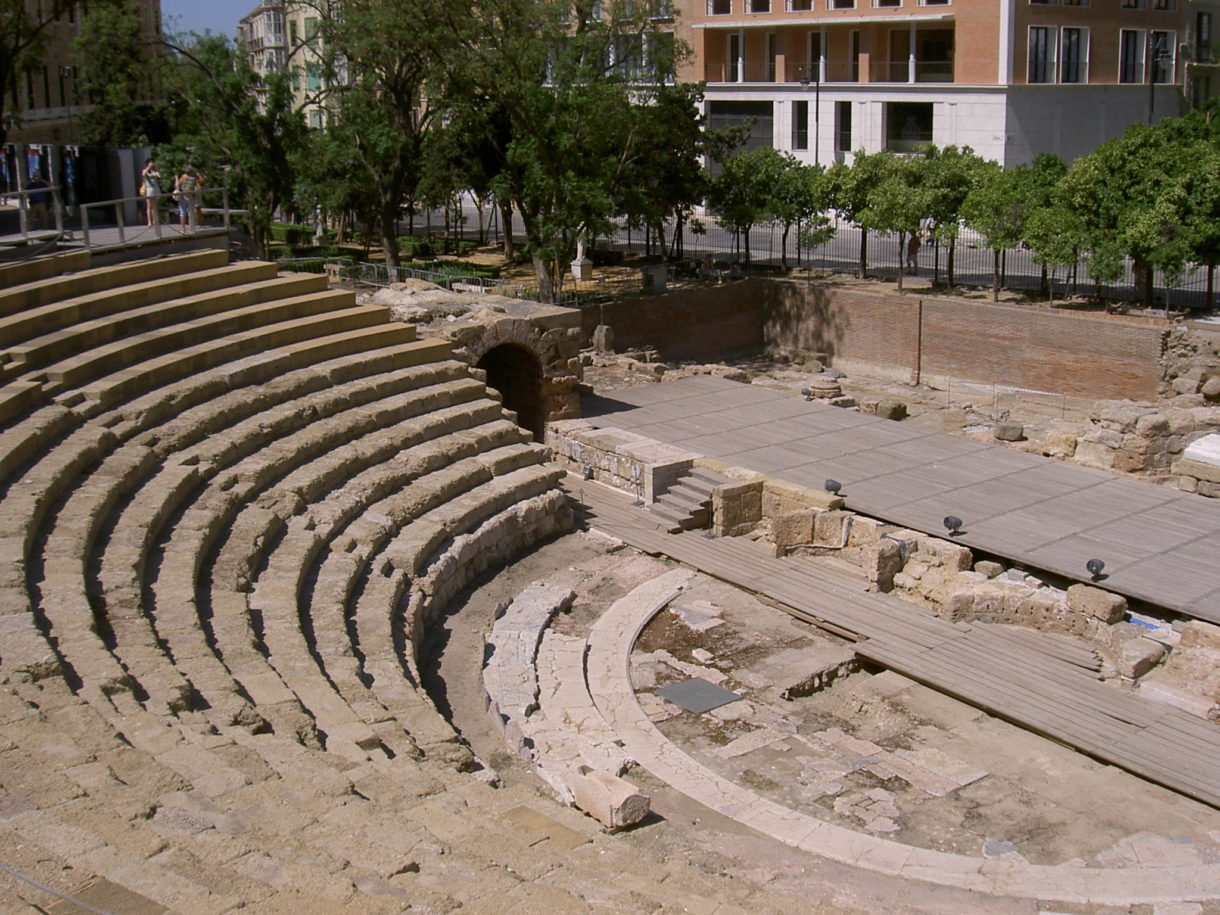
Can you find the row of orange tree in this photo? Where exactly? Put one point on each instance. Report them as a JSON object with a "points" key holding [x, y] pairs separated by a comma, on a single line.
{"points": [[1150, 197]]}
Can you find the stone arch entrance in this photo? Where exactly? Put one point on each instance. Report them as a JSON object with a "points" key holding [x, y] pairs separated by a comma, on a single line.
{"points": [[516, 372], [530, 358]]}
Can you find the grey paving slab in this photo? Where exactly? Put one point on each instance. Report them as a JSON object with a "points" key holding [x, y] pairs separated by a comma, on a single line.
{"points": [[1160, 545]]}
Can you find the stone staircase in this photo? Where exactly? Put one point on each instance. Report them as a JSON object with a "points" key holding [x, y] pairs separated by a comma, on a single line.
{"points": [[687, 503]]}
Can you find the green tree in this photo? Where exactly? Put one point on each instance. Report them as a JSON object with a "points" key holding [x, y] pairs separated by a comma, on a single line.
{"points": [[572, 81], [234, 136], [851, 187], [121, 62], [743, 194], [998, 208], [949, 175], [899, 201], [393, 57]]}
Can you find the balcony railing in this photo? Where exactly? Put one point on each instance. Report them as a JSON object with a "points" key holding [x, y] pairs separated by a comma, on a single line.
{"points": [[833, 71]]}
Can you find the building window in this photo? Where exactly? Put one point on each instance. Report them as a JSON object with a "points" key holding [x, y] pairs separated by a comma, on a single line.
{"points": [[735, 67], [887, 4], [1075, 2], [1164, 5], [1074, 56], [315, 118], [908, 126], [759, 6], [772, 55], [1134, 4], [933, 2], [1201, 91], [1203, 37], [293, 38], [843, 127], [800, 125], [798, 6], [842, 4], [1041, 55], [313, 77], [1160, 50], [719, 7], [1131, 56], [1043, 2], [758, 116], [296, 79]]}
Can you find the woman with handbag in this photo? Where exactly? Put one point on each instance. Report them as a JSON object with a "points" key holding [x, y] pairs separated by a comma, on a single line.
{"points": [[150, 189]]}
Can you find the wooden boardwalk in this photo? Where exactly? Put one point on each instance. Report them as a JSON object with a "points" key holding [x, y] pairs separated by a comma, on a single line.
{"points": [[1159, 545], [1044, 683]]}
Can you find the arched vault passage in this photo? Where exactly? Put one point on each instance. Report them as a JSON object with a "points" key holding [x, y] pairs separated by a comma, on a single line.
{"points": [[516, 372]]}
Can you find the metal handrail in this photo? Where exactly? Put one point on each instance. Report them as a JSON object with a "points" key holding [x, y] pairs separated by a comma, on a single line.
{"points": [[23, 208], [119, 204]]}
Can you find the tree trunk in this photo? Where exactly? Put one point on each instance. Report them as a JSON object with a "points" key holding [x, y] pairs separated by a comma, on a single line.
{"points": [[864, 253], [747, 236], [548, 290], [506, 221], [783, 248], [949, 262], [389, 235]]}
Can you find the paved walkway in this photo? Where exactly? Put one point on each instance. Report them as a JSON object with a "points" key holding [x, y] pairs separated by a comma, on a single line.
{"points": [[611, 640], [1159, 545], [1004, 671]]}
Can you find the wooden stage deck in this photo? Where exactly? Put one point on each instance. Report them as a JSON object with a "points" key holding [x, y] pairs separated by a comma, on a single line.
{"points": [[1044, 683], [1159, 545]]}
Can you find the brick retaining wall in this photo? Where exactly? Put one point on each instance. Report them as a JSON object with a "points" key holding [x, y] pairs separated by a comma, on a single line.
{"points": [[907, 338]]}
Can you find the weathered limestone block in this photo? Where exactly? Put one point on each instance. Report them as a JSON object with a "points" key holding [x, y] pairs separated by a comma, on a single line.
{"points": [[1103, 605], [831, 528], [1008, 431], [1060, 445], [1198, 634], [612, 801], [1139, 656], [1136, 453], [793, 529], [781, 498], [958, 604], [737, 508], [950, 555], [1211, 389], [1093, 454], [988, 567], [882, 563], [1152, 425], [1119, 415]]}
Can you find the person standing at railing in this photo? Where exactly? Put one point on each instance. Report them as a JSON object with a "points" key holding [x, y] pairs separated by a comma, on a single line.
{"points": [[185, 193], [150, 190], [38, 200]]}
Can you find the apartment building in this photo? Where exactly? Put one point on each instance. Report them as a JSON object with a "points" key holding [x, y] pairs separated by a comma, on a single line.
{"points": [[281, 34], [1009, 78], [46, 101]]}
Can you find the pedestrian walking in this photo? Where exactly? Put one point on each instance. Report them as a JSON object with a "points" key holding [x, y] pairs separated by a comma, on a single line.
{"points": [[913, 247]]}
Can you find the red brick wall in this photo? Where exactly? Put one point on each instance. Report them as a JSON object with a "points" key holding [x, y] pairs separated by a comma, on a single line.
{"points": [[708, 323], [1042, 349], [1037, 348]]}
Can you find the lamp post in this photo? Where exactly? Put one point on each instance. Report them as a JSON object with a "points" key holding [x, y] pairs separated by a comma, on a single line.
{"points": [[817, 105], [1158, 54]]}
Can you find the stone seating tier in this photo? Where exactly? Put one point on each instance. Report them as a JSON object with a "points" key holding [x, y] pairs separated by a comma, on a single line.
{"points": [[135, 306], [70, 279]]}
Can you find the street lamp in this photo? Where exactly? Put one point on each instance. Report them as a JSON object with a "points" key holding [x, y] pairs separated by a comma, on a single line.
{"points": [[1159, 54], [817, 106]]}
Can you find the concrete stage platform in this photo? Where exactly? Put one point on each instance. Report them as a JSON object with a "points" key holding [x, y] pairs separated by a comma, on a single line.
{"points": [[1159, 545]]}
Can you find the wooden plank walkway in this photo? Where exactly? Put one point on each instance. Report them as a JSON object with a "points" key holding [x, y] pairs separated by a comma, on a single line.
{"points": [[1043, 683], [1159, 545]]}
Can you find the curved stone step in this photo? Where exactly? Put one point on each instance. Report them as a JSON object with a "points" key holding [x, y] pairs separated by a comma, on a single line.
{"points": [[50, 342], [101, 316], [23, 295]]}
